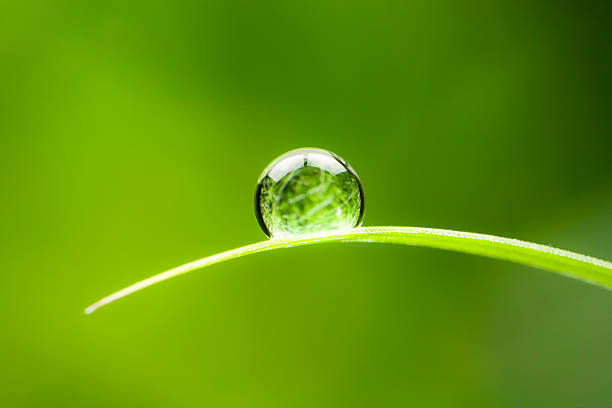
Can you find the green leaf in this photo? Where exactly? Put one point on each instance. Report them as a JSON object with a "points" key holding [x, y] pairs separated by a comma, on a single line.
{"points": [[582, 267]]}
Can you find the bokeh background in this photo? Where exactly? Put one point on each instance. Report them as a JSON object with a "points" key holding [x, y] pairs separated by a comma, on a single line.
{"points": [[132, 134]]}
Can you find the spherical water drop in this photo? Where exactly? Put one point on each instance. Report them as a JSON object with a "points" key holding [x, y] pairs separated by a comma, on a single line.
{"points": [[308, 190]]}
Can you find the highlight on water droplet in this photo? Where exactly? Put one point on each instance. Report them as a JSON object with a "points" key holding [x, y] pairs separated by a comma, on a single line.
{"points": [[308, 190]]}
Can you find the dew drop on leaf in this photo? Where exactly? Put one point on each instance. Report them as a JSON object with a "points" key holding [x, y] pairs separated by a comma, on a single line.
{"points": [[308, 190]]}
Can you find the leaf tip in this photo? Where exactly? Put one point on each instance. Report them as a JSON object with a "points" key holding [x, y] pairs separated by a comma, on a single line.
{"points": [[90, 309]]}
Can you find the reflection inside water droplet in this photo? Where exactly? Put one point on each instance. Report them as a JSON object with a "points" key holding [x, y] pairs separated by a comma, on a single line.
{"points": [[308, 190]]}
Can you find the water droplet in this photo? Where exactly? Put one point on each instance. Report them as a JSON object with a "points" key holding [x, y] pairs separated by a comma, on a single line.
{"points": [[308, 190]]}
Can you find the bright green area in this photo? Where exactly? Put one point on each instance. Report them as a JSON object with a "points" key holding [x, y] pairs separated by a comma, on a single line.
{"points": [[132, 134], [310, 199]]}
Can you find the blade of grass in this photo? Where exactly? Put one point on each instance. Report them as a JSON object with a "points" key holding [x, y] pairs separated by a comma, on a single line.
{"points": [[582, 267]]}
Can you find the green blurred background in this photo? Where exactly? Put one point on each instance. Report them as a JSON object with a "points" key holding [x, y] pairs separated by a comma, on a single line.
{"points": [[132, 135]]}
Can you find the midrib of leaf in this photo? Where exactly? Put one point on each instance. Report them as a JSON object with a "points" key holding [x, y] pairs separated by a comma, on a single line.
{"points": [[582, 267]]}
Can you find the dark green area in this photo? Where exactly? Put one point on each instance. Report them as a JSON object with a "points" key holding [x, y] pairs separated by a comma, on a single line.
{"points": [[132, 134]]}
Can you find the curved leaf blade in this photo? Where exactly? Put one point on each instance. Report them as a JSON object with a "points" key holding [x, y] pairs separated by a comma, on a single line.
{"points": [[571, 264]]}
